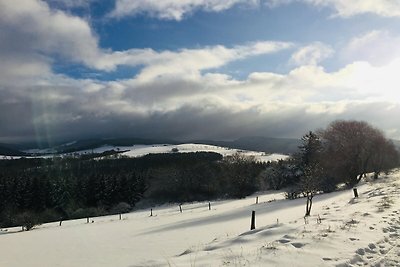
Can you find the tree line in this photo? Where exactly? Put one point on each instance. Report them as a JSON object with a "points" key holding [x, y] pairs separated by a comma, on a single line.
{"points": [[44, 190]]}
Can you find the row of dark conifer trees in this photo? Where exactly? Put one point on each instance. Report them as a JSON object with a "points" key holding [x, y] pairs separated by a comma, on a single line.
{"points": [[65, 188]]}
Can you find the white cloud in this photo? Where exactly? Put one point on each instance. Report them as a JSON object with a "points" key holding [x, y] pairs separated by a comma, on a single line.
{"points": [[178, 9], [311, 54], [56, 32], [189, 62], [209, 105], [349, 8], [175, 94], [308, 87], [172, 9], [346, 8], [32, 27], [376, 47]]}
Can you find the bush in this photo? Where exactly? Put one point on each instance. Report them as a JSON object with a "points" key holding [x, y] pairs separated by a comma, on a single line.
{"points": [[292, 193], [27, 220], [328, 184]]}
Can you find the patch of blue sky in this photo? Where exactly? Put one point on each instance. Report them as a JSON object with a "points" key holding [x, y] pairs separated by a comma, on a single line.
{"points": [[79, 71], [231, 27]]}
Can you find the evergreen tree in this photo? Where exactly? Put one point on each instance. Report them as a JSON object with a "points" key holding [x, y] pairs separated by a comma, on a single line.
{"points": [[310, 181]]}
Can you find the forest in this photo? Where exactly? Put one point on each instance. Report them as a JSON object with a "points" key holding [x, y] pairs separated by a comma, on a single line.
{"points": [[55, 189]]}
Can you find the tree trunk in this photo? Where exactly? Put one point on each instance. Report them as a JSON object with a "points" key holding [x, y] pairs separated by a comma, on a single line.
{"points": [[309, 204]]}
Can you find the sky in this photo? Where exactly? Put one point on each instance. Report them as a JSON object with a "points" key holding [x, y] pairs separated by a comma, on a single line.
{"points": [[196, 69]]}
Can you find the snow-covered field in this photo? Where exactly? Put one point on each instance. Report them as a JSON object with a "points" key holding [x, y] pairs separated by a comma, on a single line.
{"points": [[141, 150], [352, 232]]}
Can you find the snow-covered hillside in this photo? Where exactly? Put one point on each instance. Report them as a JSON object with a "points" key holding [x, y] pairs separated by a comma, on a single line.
{"points": [[141, 150], [352, 232]]}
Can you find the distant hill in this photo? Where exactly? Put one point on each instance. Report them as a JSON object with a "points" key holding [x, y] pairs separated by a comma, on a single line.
{"points": [[9, 150], [254, 143], [263, 144], [95, 143], [258, 143]]}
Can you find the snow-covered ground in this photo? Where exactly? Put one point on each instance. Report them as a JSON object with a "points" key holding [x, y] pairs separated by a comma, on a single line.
{"points": [[141, 150], [352, 232]]}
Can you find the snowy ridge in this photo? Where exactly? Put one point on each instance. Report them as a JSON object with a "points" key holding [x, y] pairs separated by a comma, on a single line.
{"points": [[141, 150], [352, 232]]}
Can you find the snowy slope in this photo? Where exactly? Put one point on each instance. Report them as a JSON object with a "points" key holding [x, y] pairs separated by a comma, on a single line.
{"points": [[141, 150], [353, 232], [187, 148]]}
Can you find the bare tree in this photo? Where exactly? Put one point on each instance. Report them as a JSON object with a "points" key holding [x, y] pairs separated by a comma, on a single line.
{"points": [[343, 152], [351, 148], [309, 185], [385, 157]]}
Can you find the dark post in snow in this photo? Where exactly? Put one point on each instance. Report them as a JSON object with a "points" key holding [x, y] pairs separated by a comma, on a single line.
{"points": [[60, 222], [319, 220], [151, 212], [253, 220], [87, 220], [180, 208], [209, 205], [256, 200], [120, 216], [355, 192]]}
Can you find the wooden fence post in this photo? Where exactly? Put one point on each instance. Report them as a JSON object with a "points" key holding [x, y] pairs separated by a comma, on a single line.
{"points": [[120, 216], [87, 220], [355, 192], [253, 220], [180, 207], [209, 205], [151, 212], [256, 200]]}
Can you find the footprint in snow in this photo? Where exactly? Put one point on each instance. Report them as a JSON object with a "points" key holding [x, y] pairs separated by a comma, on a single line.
{"points": [[288, 237], [383, 251], [360, 251], [188, 251], [298, 245], [329, 259]]}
